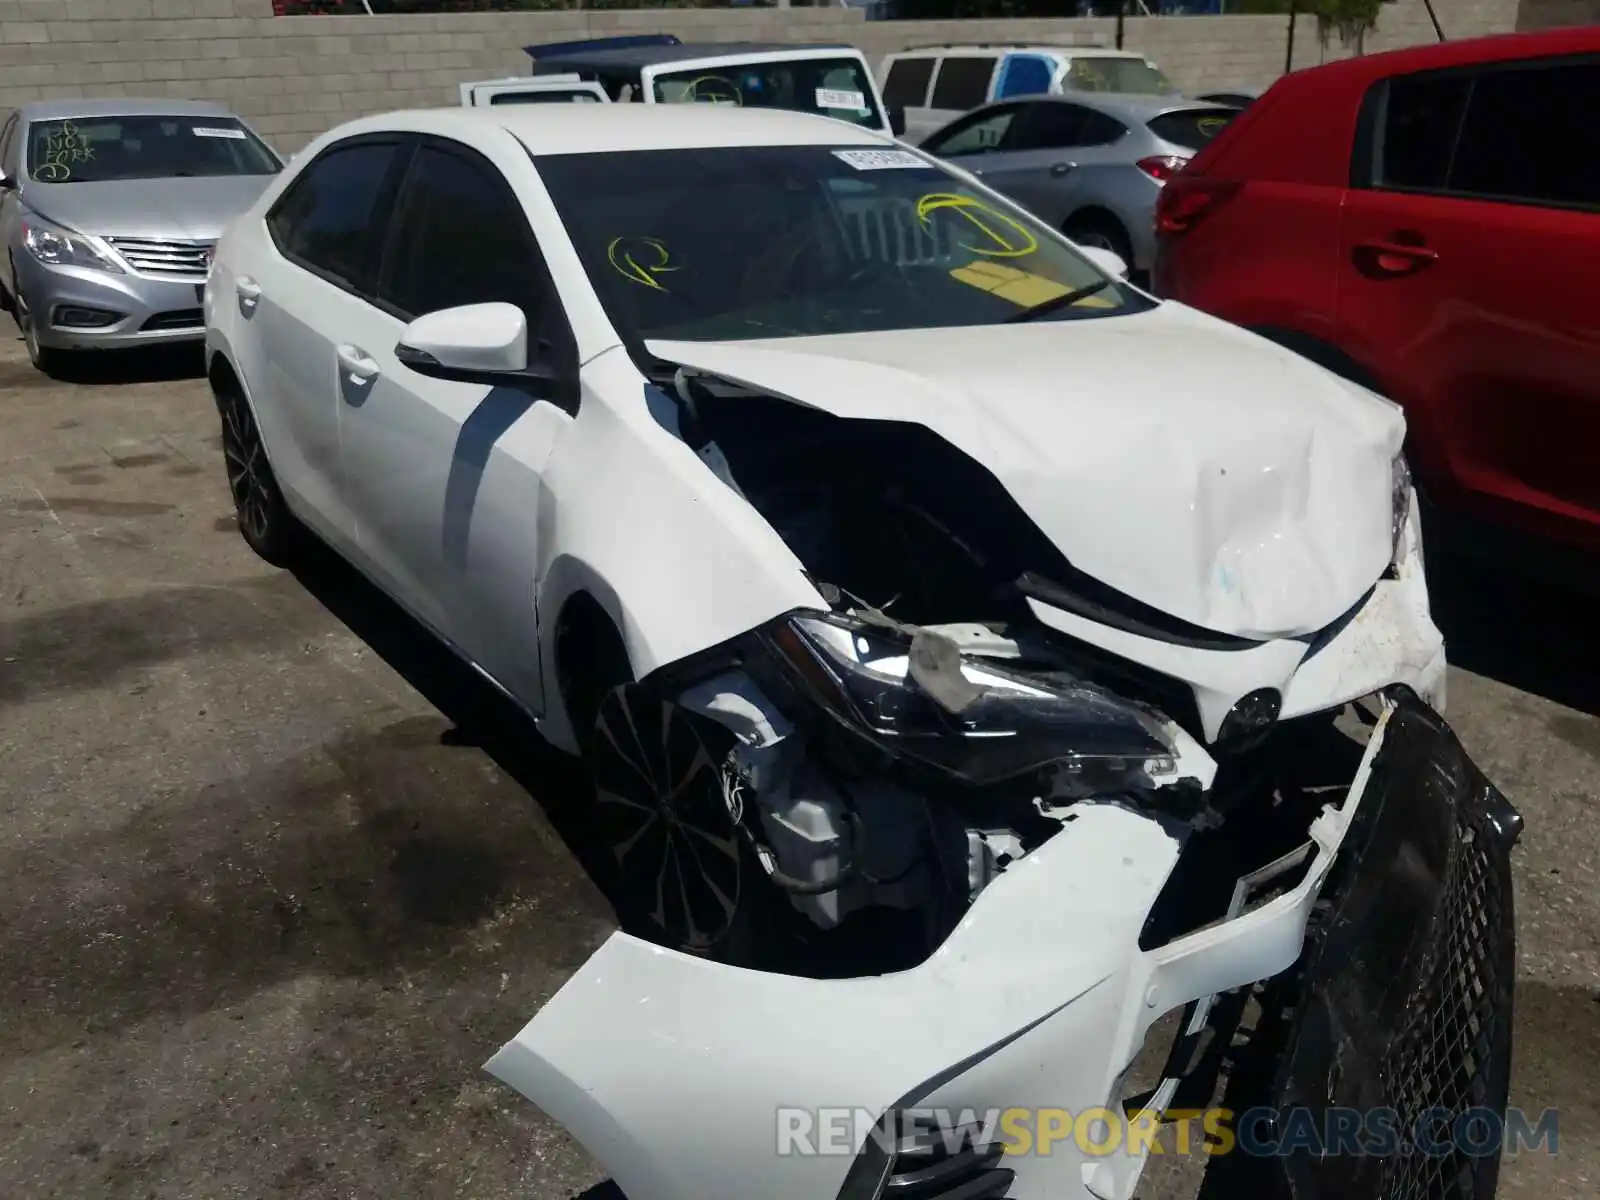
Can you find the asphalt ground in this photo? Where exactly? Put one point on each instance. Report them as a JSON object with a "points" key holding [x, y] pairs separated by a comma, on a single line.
{"points": [[277, 875]]}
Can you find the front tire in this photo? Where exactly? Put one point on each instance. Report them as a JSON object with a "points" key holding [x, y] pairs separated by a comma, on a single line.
{"points": [[265, 522], [44, 358], [686, 874]]}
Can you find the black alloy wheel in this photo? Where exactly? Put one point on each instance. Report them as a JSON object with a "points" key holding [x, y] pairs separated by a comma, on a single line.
{"points": [[264, 519], [670, 818]]}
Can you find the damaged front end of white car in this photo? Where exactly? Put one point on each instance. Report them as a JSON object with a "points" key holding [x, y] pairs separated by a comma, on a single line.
{"points": [[1065, 812]]}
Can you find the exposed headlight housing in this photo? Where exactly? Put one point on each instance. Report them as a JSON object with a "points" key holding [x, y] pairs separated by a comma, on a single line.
{"points": [[1401, 490], [58, 247], [1007, 724]]}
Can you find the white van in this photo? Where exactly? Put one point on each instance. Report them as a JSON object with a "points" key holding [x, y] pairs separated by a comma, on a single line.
{"points": [[833, 81], [933, 85]]}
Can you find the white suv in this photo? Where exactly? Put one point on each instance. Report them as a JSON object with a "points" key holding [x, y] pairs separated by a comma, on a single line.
{"points": [[658, 68], [933, 85]]}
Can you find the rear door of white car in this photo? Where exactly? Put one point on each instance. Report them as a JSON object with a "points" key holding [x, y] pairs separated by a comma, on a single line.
{"points": [[444, 477], [297, 286]]}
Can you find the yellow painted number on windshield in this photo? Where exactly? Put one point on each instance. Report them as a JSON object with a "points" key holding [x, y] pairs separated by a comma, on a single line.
{"points": [[640, 260], [1003, 236]]}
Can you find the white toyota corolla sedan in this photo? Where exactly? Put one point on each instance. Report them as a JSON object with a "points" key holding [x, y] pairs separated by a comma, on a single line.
{"points": [[897, 567]]}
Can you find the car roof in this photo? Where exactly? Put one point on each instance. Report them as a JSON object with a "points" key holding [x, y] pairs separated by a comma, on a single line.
{"points": [[634, 58], [1131, 107], [616, 128], [1017, 48], [1498, 48], [56, 110]]}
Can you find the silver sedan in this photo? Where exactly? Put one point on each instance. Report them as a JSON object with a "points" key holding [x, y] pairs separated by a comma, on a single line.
{"points": [[1091, 167], [109, 213]]}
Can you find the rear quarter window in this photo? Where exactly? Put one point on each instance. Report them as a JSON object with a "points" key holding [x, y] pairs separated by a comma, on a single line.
{"points": [[1192, 129]]}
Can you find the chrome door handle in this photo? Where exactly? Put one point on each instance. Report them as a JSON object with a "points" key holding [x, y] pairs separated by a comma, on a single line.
{"points": [[361, 365], [1060, 169], [249, 290]]}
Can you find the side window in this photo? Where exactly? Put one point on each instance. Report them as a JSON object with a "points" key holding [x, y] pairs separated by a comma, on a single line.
{"points": [[1419, 122], [1100, 129], [1527, 136], [1049, 126], [461, 237], [962, 82], [977, 134], [1053, 125], [328, 219], [1024, 75], [907, 83], [7, 135]]}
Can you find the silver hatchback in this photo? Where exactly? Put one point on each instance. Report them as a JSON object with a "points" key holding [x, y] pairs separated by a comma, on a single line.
{"points": [[1093, 167], [110, 211]]}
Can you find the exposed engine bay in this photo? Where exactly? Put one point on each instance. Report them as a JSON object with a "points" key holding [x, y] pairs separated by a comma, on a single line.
{"points": [[905, 749], [1035, 810]]}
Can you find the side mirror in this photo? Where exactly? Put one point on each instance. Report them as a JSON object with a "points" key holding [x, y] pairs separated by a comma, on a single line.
{"points": [[476, 343], [1108, 261], [897, 120]]}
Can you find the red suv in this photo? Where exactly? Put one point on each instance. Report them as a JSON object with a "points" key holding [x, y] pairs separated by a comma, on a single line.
{"points": [[1427, 223]]}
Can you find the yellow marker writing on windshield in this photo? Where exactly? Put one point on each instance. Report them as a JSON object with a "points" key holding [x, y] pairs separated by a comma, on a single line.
{"points": [[640, 259], [1003, 236]]}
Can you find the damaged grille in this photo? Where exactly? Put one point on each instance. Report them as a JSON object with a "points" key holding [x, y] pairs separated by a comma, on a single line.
{"points": [[1448, 1054], [1404, 1004]]}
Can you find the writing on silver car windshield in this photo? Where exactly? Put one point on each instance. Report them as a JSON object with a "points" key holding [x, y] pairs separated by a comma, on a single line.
{"points": [[109, 149]]}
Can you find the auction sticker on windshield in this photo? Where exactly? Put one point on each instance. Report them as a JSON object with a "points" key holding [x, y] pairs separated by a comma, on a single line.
{"points": [[881, 160], [832, 98], [207, 131]]}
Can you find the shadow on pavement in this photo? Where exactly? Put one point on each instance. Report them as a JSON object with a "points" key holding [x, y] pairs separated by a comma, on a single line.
{"points": [[1521, 619], [481, 716], [152, 364]]}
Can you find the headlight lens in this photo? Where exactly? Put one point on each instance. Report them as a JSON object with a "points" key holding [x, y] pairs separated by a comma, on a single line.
{"points": [[58, 247], [1014, 723], [1400, 496]]}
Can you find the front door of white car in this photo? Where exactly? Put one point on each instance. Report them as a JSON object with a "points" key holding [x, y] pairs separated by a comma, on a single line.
{"points": [[293, 290], [444, 477]]}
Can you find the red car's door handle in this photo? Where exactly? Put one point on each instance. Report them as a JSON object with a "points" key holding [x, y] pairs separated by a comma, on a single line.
{"points": [[1397, 258]]}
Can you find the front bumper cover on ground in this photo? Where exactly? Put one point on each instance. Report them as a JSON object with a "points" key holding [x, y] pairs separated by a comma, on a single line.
{"points": [[1404, 1005], [673, 1071]]}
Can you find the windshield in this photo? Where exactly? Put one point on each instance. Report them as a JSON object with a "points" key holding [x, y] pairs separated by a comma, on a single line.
{"points": [[832, 87], [103, 149], [791, 241], [1130, 76]]}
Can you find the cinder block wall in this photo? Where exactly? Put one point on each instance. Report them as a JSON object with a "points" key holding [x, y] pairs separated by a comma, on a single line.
{"points": [[1550, 14], [294, 77]]}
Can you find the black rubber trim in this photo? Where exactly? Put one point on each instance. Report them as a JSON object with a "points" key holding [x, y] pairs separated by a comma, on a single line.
{"points": [[1094, 601]]}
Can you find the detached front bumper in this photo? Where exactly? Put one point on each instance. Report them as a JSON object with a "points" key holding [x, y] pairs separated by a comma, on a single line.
{"points": [[79, 308], [1404, 1009], [694, 1081]]}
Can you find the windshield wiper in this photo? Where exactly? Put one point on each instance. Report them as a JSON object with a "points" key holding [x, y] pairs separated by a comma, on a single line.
{"points": [[1055, 303]]}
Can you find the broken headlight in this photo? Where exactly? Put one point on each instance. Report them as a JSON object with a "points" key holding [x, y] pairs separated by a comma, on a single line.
{"points": [[972, 719]]}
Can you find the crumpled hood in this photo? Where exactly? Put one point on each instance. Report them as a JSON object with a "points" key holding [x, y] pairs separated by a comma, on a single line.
{"points": [[1181, 460], [185, 209]]}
